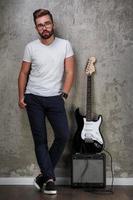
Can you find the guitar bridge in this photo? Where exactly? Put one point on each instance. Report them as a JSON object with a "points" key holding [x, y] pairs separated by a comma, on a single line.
{"points": [[88, 140]]}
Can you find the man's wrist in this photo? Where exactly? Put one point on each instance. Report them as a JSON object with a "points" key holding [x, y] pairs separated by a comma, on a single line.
{"points": [[64, 95], [21, 97]]}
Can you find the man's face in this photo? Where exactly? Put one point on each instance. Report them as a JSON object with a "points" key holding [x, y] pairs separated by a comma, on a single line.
{"points": [[45, 27]]}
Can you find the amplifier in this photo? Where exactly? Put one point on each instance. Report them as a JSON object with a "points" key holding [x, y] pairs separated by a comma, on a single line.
{"points": [[88, 170]]}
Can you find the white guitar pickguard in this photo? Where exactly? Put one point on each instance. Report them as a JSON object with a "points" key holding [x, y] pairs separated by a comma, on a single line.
{"points": [[91, 130]]}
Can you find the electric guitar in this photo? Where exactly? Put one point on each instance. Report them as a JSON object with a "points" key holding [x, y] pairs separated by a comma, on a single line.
{"points": [[88, 138]]}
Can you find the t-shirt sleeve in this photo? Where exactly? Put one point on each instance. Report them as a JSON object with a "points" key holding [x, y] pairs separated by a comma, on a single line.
{"points": [[69, 50], [27, 54]]}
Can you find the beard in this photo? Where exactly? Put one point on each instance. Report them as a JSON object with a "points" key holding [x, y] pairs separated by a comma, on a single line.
{"points": [[46, 34]]}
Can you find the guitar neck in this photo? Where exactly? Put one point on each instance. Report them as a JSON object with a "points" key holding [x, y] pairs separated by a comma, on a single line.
{"points": [[88, 100]]}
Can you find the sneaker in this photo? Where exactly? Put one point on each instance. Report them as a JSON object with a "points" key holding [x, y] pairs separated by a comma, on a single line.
{"points": [[39, 181], [50, 188]]}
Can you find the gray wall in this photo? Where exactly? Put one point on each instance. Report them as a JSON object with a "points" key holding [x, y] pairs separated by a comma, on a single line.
{"points": [[103, 28]]}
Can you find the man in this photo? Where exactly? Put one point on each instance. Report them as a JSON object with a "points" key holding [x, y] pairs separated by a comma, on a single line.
{"points": [[45, 79]]}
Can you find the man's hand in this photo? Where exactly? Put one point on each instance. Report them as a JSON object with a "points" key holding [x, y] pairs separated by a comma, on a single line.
{"points": [[21, 103]]}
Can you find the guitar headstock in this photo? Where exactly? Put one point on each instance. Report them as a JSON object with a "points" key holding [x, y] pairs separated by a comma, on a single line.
{"points": [[90, 67]]}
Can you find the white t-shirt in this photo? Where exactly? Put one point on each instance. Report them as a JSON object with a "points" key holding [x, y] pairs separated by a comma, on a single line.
{"points": [[47, 66]]}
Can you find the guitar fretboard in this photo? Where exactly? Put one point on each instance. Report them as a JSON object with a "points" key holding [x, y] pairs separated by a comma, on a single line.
{"points": [[88, 100]]}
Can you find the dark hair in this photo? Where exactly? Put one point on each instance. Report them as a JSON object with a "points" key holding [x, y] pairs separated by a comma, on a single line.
{"points": [[41, 12]]}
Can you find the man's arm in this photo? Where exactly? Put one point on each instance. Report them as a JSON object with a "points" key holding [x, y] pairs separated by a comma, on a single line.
{"points": [[22, 81], [69, 74]]}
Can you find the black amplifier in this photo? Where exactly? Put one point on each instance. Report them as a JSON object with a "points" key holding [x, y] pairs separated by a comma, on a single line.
{"points": [[88, 170]]}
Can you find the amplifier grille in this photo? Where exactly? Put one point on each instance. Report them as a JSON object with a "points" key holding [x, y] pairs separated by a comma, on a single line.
{"points": [[88, 170]]}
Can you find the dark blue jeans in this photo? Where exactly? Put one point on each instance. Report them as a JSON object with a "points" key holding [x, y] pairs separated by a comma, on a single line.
{"points": [[38, 108]]}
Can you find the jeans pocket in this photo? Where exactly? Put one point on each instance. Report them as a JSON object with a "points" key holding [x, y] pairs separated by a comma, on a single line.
{"points": [[26, 98]]}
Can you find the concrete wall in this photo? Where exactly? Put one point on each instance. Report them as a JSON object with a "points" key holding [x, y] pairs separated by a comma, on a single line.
{"points": [[103, 28]]}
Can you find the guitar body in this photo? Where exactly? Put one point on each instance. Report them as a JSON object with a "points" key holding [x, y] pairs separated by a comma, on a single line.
{"points": [[91, 130], [91, 145]]}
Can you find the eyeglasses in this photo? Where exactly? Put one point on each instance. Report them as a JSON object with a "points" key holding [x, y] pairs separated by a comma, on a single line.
{"points": [[46, 25]]}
